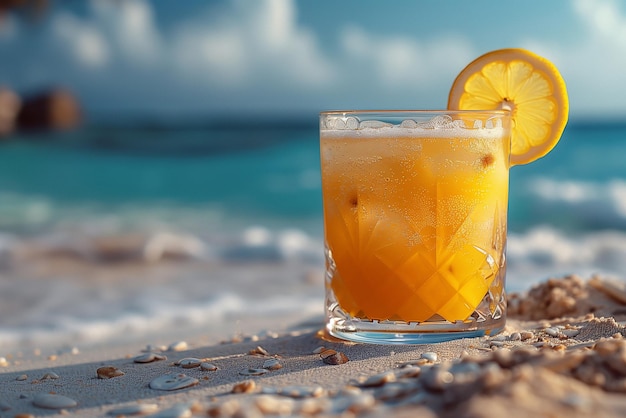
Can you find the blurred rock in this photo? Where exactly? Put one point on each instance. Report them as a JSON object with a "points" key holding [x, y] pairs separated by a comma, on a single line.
{"points": [[9, 107], [56, 109]]}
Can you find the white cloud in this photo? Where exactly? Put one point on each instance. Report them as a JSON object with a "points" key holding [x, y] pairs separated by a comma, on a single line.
{"points": [[85, 43]]}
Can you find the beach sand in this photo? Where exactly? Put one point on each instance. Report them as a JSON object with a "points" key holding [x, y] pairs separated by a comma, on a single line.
{"points": [[563, 353]]}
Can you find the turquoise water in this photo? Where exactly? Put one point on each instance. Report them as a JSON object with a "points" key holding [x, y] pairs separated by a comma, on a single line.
{"points": [[269, 176], [245, 205]]}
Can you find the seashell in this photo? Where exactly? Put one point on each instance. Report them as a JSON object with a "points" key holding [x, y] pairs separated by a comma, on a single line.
{"points": [[53, 401], [516, 336], [208, 366], [50, 375], [178, 346], [430, 356], [552, 331], [272, 364], [258, 351], [408, 372], [177, 411], [333, 357], [247, 386], [379, 379], [272, 405], [319, 349], [173, 382], [526, 335], [136, 409], [189, 363], [301, 391], [149, 358], [253, 372], [108, 372], [21, 377]]}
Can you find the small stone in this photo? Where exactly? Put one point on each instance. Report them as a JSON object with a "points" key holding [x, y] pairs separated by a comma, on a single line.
{"points": [[137, 409], [149, 358], [333, 357], [21, 377], [178, 346], [53, 401], [173, 382], [516, 336], [552, 331], [49, 376], [210, 367], [189, 363], [108, 372], [247, 386], [272, 364], [253, 372]]}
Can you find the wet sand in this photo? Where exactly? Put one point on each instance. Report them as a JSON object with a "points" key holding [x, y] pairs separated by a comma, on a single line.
{"points": [[563, 353]]}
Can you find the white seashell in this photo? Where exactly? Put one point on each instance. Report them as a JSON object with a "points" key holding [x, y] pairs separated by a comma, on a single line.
{"points": [[553, 332], [430, 356], [137, 409], [189, 363], [50, 375], [208, 366], [259, 351], [253, 372], [21, 377], [53, 401], [173, 382], [149, 358], [272, 364], [178, 346]]}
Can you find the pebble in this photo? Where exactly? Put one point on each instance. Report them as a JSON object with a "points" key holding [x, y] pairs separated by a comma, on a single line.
{"points": [[333, 357], [526, 335], [253, 372], [516, 336], [173, 382], [189, 363], [552, 331], [108, 372], [272, 364], [50, 375], [178, 346], [149, 358], [137, 409], [21, 377], [210, 367], [53, 401]]}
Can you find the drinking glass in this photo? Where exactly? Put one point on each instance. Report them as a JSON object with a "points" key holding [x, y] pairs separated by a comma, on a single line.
{"points": [[415, 217]]}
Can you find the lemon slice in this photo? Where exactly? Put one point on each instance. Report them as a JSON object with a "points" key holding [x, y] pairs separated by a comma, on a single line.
{"points": [[525, 83]]}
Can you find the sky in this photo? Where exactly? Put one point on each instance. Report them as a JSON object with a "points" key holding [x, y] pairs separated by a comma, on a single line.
{"points": [[286, 58]]}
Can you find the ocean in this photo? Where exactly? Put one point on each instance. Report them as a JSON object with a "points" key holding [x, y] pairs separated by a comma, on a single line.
{"points": [[115, 232]]}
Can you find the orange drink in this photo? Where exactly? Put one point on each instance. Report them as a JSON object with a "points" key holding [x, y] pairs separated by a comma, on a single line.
{"points": [[415, 209]]}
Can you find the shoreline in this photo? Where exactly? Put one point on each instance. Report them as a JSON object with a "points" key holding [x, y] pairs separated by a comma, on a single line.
{"points": [[553, 356]]}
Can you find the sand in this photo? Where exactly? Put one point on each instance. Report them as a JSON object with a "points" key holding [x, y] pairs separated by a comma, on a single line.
{"points": [[563, 353]]}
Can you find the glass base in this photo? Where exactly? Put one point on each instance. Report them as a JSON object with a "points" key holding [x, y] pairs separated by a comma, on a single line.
{"points": [[388, 332]]}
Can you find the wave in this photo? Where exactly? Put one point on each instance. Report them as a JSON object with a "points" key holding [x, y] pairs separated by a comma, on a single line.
{"points": [[577, 205]]}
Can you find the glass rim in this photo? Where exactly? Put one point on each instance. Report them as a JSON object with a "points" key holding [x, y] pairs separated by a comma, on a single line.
{"points": [[391, 112]]}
